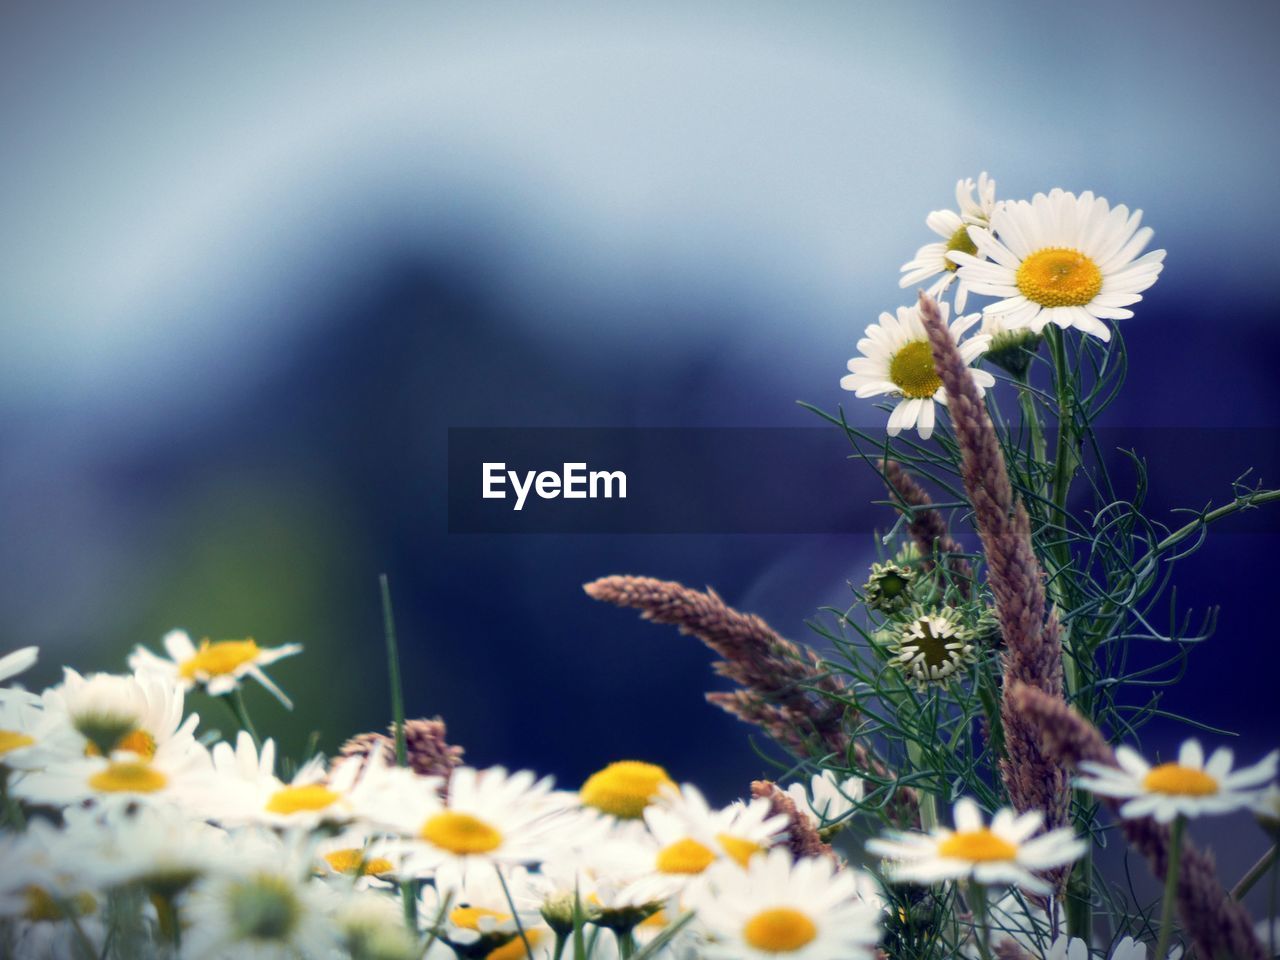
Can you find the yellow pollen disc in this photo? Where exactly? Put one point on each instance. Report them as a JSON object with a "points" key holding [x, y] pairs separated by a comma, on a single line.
{"points": [[349, 861], [960, 240], [780, 930], [139, 742], [685, 856], [41, 906], [912, 371], [625, 788], [307, 798], [469, 917], [655, 921], [1181, 781], [128, 778], [460, 833], [739, 851], [1059, 277], [216, 659], [977, 846], [13, 740], [514, 949]]}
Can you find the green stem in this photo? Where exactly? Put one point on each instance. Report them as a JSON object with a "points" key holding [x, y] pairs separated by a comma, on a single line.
{"points": [[409, 905], [980, 927], [1168, 905], [393, 671], [515, 914], [1256, 873], [626, 943], [1031, 418], [928, 802], [235, 699], [561, 942]]}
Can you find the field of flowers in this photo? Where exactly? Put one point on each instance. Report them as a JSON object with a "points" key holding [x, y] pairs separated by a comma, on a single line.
{"points": [[957, 742]]}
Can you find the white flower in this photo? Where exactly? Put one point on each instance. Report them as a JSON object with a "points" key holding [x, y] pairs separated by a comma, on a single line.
{"points": [[827, 799], [19, 723], [686, 837], [41, 889], [105, 713], [12, 664], [775, 908], [1004, 853], [1191, 787], [157, 846], [934, 258], [170, 776], [479, 917], [1076, 949], [1073, 261], [218, 667], [245, 790], [372, 925], [267, 909], [489, 817], [897, 361], [1267, 807]]}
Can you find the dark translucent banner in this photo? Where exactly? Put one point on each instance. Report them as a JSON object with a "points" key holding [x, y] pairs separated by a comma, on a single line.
{"points": [[783, 480]]}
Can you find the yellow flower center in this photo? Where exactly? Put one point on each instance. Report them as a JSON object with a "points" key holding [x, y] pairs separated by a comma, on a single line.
{"points": [[655, 921], [625, 788], [960, 240], [42, 907], [469, 917], [139, 742], [308, 798], [977, 846], [216, 659], [514, 949], [353, 859], [1059, 277], [780, 930], [128, 777], [1181, 781], [11, 740], [685, 856], [912, 372], [738, 850], [460, 833]]}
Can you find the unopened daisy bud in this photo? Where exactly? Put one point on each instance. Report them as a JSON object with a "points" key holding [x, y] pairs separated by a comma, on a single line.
{"points": [[558, 911], [105, 731], [625, 788], [931, 644], [889, 587], [1012, 348]]}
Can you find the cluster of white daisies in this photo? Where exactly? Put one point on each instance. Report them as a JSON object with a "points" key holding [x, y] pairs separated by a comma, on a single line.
{"points": [[1062, 259], [120, 821]]}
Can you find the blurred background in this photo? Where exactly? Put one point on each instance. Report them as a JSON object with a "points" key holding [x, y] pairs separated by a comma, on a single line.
{"points": [[256, 260]]}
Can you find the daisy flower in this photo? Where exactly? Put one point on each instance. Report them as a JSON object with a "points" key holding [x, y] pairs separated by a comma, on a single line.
{"points": [[245, 790], [685, 837], [12, 664], [479, 921], [828, 799], [1267, 808], [265, 909], [897, 361], [106, 713], [19, 722], [1005, 852], [489, 817], [1076, 949], [217, 667], [625, 788], [1062, 259], [372, 925], [40, 895], [931, 645], [804, 910], [1189, 787], [934, 259], [349, 855], [157, 847], [177, 768]]}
